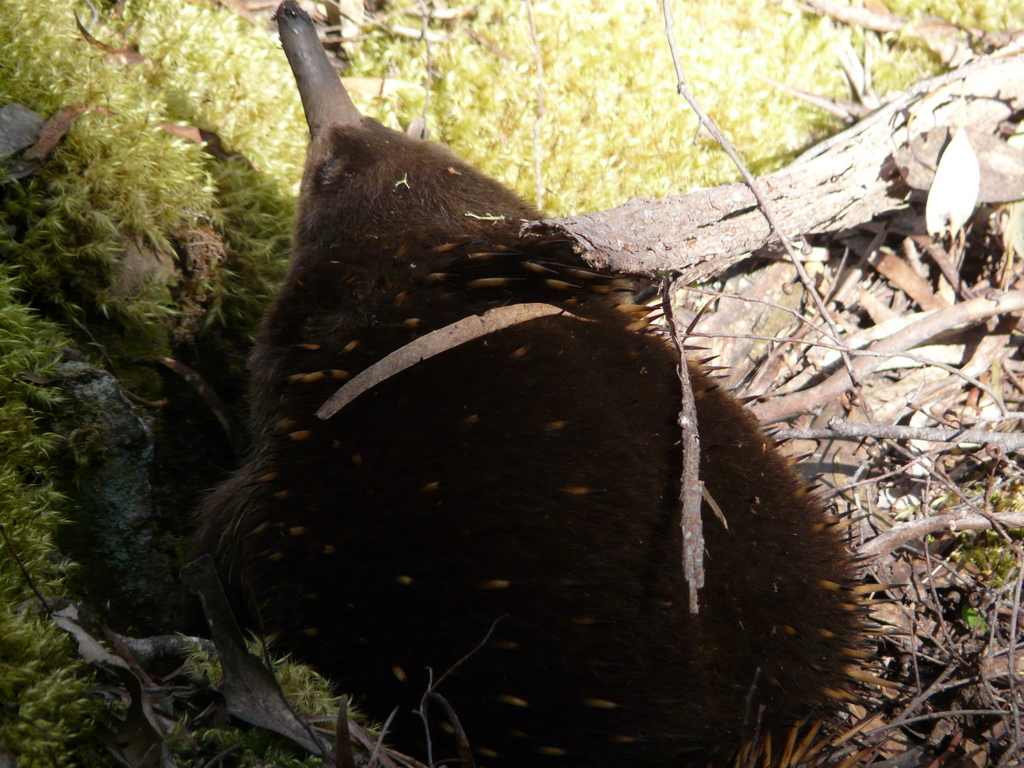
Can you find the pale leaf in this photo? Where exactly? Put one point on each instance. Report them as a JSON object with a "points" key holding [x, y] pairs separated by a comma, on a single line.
{"points": [[954, 192]]}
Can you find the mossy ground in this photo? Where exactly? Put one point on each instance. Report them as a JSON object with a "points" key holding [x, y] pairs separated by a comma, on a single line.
{"points": [[93, 247], [613, 127], [49, 709]]}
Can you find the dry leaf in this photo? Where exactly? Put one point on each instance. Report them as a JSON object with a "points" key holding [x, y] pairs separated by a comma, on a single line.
{"points": [[239, 8], [139, 740], [211, 141], [1001, 163], [126, 58], [54, 129], [954, 192], [251, 691], [377, 87], [900, 274]]}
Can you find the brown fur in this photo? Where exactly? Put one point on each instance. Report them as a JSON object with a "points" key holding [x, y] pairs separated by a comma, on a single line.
{"points": [[526, 482]]}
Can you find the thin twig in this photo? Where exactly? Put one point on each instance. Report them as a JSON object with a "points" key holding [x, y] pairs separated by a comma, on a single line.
{"points": [[709, 125], [933, 323], [838, 428], [380, 742], [691, 487], [954, 521], [464, 659], [462, 743], [952, 370], [858, 17], [900, 470], [757, 300], [539, 63], [940, 617], [24, 571], [424, 22], [433, 685], [1011, 666], [1012, 646], [940, 715]]}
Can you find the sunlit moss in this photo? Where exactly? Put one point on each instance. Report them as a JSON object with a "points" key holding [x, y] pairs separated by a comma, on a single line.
{"points": [[980, 14], [990, 555], [613, 126], [118, 180], [988, 551], [118, 177]]}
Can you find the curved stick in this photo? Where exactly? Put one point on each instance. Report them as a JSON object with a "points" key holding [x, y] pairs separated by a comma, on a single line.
{"points": [[434, 343]]}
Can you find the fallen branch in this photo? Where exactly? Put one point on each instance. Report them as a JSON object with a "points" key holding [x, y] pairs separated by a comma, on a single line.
{"points": [[839, 429], [954, 521], [841, 183], [932, 324]]}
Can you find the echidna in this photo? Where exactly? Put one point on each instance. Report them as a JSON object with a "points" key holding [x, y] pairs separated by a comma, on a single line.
{"points": [[517, 492]]}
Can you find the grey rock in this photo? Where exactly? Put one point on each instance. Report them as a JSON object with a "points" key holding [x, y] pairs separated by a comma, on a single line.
{"points": [[19, 128]]}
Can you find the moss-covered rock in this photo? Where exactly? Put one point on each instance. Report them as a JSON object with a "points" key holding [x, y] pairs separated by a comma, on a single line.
{"points": [[116, 537]]}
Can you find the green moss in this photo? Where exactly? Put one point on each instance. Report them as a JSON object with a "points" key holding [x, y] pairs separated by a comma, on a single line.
{"points": [[309, 693], [92, 241], [256, 748], [49, 708], [613, 126], [256, 225], [987, 551], [94, 230], [980, 14], [990, 555], [1008, 499]]}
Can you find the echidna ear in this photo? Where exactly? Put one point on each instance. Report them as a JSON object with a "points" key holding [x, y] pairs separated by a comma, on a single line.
{"points": [[324, 98]]}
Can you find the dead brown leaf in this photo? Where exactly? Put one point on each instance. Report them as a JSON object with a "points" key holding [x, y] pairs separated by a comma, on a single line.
{"points": [[250, 689], [53, 130], [139, 741]]}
